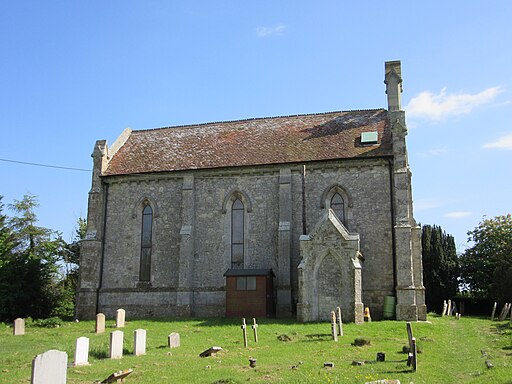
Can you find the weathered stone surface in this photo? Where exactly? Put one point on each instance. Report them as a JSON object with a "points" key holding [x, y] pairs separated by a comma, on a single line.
{"points": [[50, 368], [173, 340], [100, 323], [120, 318], [139, 342], [19, 327], [81, 351], [116, 344]]}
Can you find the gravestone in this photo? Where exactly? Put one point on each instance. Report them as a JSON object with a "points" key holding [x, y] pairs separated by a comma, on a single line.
{"points": [[255, 330], [493, 311], [139, 342], [100, 323], [445, 307], [19, 327], [449, 310], [50, 368], [334, 331], [340, 322], [244, 331], [210, 351], [120, 317], [81, 351], [116, 344], [174, 340]]}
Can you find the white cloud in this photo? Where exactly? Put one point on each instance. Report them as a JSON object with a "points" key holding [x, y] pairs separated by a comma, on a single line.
{"points": [[426, 204], [270, 31], [504, 142], [457, 214], [436, 107]]}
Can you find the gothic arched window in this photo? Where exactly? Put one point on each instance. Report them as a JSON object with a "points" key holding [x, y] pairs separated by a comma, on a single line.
{"points": [[237, 234], [338, 206], [146, 244]]}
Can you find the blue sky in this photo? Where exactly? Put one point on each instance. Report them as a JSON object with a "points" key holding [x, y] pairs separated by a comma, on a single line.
{"points": [[73, 72]]}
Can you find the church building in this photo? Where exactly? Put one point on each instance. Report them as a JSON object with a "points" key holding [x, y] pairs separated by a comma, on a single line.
{"points": [[276, 216]]}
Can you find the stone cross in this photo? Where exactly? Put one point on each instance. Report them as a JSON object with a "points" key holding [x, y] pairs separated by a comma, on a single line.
{"points": [[340, 322], [120, 316], [493, 311], [173, 340], [116, 344], [19, 327], [334, 331], [81, 351], [139, 342], [100, 323], [50, 368], [244, 331], [255, 329]]}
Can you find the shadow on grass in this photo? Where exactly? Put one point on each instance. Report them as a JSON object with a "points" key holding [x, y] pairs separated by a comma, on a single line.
{"points": [[318, 337], [98, 353]]}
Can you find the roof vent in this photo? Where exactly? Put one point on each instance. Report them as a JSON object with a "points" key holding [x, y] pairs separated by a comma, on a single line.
{"points": [[369, 137]]}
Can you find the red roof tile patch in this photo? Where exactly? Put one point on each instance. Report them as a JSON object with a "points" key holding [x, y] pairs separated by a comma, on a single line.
{"points": [[276, 140]]}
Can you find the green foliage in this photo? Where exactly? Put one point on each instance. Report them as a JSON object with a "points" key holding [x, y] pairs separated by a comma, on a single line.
{"points": [[31, 259], [440, 266], [487, 266]]}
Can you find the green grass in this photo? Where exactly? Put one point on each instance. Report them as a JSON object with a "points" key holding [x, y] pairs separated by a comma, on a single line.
{"points": [[451, 352]]}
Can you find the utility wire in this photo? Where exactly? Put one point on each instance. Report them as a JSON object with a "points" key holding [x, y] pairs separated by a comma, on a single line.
{"points": [[45, 165]]}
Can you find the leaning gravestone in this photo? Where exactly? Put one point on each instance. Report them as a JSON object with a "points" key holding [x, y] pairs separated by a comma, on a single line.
{"points": [[81, 351], [116, 344], [493, 311], [174, 340], [120, 317], [139, 342], [19, 327], [100, 323], [50, 368]]}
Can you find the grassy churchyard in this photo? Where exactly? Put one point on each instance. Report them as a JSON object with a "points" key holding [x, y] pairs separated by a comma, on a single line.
{"points": [[452, 351]]}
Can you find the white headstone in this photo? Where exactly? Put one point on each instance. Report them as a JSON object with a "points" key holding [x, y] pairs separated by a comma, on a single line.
{"points": [[116, 344], [50, 368], [174, 340], [82, 351], [19, 327], [120, 317], [139, 342], [100, 323]]}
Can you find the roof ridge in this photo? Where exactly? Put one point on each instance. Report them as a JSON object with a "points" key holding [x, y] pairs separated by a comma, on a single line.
{"points": [[256, 118]]}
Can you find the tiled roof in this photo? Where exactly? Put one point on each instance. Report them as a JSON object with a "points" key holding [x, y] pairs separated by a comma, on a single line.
{"points": [[275, 140]]}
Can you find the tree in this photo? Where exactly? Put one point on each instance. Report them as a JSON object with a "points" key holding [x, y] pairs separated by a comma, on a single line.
{"points": [[487, 266], [440, 265], [29, 271]]}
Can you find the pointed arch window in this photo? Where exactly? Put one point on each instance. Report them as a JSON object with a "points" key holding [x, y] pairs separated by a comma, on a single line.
{"points": [[237, 234], [338, 206], [146, 243]]}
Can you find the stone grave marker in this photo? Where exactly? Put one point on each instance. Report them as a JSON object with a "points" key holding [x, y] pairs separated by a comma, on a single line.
{"points": [[504, 312], [493, 311], [244, 331], [210, 351], [255, 330], [120, 318], [340, 322], [139, 342], [174, 340], [19, 327], [116, 344], [81, 351], [449, 309], [445, 307], [334, 331], [50, 368], [100, 323]]}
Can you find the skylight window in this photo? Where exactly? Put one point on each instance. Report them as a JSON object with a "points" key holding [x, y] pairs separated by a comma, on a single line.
{"points": [[369, 137]]}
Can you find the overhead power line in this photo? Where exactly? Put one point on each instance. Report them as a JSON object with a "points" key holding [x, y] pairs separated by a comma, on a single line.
{"points": [[45, 165]]}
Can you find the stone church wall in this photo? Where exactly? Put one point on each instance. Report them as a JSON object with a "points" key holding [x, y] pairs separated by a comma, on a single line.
{"points": [[366, 182]]}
